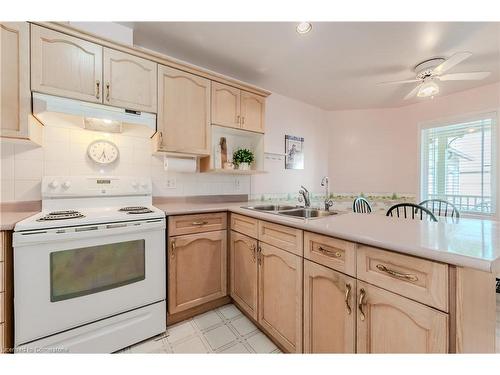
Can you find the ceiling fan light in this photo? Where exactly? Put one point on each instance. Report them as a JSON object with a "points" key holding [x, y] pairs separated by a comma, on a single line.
{"points": [[427, 89], [304, 27]]}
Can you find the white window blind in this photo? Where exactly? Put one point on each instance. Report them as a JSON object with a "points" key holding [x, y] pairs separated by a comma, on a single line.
{"points": [[458, 164]]}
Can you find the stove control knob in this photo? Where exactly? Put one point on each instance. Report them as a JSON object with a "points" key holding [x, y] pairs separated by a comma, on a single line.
{"points": [[135, 184], [145, 185], [54, 184], [66, 184]]}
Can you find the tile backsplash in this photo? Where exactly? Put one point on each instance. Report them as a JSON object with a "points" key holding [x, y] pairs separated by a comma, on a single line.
{"points": [[64, 152]]}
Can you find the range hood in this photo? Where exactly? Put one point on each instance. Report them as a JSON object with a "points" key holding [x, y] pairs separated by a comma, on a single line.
{"points": [[92, 116]]}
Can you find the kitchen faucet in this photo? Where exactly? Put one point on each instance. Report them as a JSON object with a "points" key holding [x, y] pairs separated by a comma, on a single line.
{"points": [[304, 196], [328, 201]]}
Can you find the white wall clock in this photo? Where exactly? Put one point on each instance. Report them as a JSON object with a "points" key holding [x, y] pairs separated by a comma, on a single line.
{"points": [[103, 152]]}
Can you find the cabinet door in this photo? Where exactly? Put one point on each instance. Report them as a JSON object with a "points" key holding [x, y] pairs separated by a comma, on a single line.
{"points": [[389, 323], [280, 296], [129, 81], [225, 105], [183, 112], [329, 310], [65, 66], [243, 266], [197, 266], [15, 98], [252, 112]]}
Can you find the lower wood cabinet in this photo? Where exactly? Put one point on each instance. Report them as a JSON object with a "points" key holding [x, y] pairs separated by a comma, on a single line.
{"points": [[243, 272], [280, 296], [389, 323], [329, 310], [197, 269]]}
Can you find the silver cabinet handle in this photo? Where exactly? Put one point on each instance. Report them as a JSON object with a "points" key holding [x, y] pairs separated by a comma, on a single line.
{"points": [[259, 256], [396, 274], [362, 295], [98, 89], [199, 223], [243, 120], [347, 298], [253, 249], [336, 254], [238, 119], [107, 91]]}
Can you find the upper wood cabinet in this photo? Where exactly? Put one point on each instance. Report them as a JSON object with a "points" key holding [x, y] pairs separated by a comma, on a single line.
{"points": [[236, 108], [329, 310], [252, 112], [197, 268], [225, 105], [280, 296], [183, 112], [129, 81], [243, 271], [65, 66], [389, 323], [15, 99]]}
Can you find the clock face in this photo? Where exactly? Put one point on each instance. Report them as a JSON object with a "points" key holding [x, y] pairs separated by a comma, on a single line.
{"points": [[103, 152]]}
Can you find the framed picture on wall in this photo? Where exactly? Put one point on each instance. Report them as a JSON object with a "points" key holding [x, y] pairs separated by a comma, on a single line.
{"points": [[294, 152]]}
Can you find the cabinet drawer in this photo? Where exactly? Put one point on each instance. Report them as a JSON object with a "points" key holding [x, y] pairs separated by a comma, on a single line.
{"points": [[334, 253], [419, 279], [198, 223], [2, 307], [286, 238], [245, 225]]}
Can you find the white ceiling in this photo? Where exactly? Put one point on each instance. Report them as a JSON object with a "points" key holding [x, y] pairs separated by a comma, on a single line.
{"points": [[337, 65]]}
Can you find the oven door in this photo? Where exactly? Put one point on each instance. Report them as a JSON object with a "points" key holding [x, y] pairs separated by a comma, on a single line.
{"points": [[68, 277]]}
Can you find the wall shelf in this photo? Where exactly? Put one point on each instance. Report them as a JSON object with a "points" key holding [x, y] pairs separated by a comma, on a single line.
{"points": [[235, 171]]}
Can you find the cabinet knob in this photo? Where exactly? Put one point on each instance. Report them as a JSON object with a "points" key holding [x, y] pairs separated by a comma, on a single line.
{"points": [[54, 184]]}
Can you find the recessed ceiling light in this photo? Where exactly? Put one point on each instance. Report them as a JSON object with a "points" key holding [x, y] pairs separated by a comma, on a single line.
{"points": [[304, 27]]}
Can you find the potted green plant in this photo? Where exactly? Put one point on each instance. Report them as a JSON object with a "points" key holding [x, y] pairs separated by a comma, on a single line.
{"points": [[243, 157]]}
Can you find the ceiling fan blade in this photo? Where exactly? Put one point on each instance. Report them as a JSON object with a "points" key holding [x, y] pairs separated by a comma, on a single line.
{"points": [[451, 62], [398, 82], [472, 76], [413, 92]]}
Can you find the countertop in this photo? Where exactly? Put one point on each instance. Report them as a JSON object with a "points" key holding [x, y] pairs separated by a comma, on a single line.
{"points": [[8, 218], [473, 243], [470, 243]]}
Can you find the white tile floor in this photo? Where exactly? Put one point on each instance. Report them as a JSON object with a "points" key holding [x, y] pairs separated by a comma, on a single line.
{"points": [[223, 330]]}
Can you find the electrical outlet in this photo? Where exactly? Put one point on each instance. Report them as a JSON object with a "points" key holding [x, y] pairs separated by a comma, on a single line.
{"points": [[171, 183], [237, 185]]}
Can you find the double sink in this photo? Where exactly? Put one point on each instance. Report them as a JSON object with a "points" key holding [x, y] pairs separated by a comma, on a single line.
{"points": [[293, 211]]}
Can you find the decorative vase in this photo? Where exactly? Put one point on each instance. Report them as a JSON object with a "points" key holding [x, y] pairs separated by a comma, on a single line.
{"points": [[244, 166]]}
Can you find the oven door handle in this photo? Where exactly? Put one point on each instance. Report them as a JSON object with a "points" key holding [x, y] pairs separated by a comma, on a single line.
{"points": [[86, 231]]}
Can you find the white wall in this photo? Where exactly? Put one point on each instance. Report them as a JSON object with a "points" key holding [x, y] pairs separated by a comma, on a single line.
{"points": [[377, 150], [289, 116]]}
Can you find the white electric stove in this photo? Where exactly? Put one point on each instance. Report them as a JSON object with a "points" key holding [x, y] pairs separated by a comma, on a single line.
{"points": [[90, 269]]}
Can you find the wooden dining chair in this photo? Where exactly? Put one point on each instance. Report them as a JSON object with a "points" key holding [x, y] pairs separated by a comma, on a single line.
{"points": [[411, 211], [361, 206], [440, 207]]}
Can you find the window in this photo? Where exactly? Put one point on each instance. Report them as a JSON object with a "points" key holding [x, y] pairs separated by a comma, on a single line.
{"points": [[458, 163]]}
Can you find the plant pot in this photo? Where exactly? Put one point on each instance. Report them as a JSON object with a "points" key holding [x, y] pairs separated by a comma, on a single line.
{"points": [[244, 166]]}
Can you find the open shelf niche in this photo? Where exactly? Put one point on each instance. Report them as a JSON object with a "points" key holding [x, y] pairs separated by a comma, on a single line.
{"points": [[235, 138]]}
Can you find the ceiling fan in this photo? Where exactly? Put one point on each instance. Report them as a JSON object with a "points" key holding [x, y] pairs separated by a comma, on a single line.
{"points": [[429, 72]]}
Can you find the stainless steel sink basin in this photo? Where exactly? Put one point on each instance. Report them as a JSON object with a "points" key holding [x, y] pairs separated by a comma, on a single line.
{"points": [[272, 207], [307, 213]]}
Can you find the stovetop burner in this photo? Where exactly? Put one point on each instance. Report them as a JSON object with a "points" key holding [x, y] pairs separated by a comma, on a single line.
{"points": [[136, 210], [62, 215]]}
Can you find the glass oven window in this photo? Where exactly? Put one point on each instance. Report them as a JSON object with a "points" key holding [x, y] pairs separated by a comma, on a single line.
{"points": [[88, 270]]}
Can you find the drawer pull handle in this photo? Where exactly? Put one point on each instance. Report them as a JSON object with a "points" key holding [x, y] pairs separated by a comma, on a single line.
{"points": [[336, 254], [396, 274], [347, 298], [362, 295], [199, 222]]}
